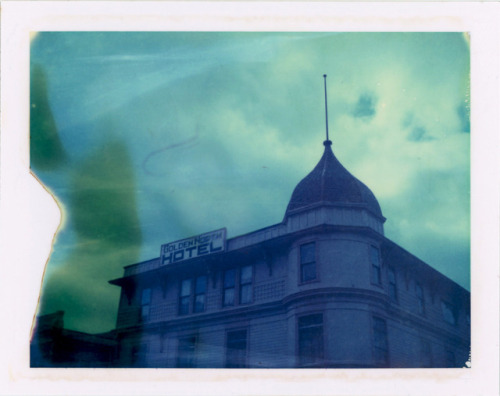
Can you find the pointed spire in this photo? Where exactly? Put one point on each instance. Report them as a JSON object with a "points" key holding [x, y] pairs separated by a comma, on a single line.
{"points": [[327, 142]]}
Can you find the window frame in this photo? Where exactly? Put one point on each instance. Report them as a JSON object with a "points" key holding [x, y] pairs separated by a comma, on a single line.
{"points": [[304, 360], [230, 287], [375, 267], [193, 358], [198, 293], [392, 284], [185, 297], [249, 283], [146, 305], [376, 349], [187, 303], [237, 285], [303, 264]]}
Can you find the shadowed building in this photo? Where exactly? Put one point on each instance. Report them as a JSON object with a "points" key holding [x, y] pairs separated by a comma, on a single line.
{"points": [[323, 288], [54, 346]]}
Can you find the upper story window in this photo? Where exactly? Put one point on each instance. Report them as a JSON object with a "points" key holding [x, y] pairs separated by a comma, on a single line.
{"points": [[420, 298], [308, 262], [243, 288], [380, 347], [229, 287], [145, 304], [199, 293], [246, 284], [375, 263], [449, 313], [185, 297], [310, 330], [188, 299], [393, 289]]}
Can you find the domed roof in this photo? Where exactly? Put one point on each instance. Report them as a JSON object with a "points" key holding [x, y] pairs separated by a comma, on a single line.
{"points": [[330, 183]]}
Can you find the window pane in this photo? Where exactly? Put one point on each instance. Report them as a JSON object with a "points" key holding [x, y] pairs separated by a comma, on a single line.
{"points": [[392, 284], [308, 272], [228, 297], [310, 339], [245, 294], [392, 276], [201, 284], [307, 253], [375, 260], [246, 274], [380, 340], [376, 276], [145, 312], [374, 255], [199, 303], [146, 296], [186, 287], [310, 320], [229, 277]]}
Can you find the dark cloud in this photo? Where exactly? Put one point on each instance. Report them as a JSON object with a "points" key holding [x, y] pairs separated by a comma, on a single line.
{"points": [[365, 107], [46, 150], [418, 134], [463, 113]]}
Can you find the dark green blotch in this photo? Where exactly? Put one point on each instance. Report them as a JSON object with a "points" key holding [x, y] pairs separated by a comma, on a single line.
{"points": [[103, 197], [46, 150]]}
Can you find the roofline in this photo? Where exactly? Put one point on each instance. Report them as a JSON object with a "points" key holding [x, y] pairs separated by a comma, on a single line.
{"points": [[427, 266]]}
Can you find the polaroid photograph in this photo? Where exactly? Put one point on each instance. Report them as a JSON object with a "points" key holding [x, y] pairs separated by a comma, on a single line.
{"points": [[212, 189]]}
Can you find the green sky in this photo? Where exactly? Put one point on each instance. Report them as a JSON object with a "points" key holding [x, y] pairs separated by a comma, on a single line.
{"points": [[147, 138]]}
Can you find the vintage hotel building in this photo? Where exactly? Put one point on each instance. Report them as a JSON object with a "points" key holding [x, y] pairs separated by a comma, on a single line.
{"points": [[323, 288]]}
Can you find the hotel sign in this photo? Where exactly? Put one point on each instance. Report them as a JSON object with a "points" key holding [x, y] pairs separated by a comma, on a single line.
{"points": [[197, 246]]}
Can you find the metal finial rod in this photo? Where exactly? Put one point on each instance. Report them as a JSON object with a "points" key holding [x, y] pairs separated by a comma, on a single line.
{"points": [[326, 110]]}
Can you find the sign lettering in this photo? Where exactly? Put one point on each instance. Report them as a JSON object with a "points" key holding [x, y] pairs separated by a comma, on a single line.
{"points": [[200, 245]]}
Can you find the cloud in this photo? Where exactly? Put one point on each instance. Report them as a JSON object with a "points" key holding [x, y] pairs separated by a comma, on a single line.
{"points": [[365, 107], [418, 134]]}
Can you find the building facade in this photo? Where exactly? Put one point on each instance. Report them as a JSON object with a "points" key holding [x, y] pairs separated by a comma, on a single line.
{"points": [[323, 288]]}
